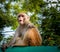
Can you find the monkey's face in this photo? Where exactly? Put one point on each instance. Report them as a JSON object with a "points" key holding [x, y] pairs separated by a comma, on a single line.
{"points": [[22, 18]]}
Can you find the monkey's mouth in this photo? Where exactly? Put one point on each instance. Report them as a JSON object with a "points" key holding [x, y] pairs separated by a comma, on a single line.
{"points": [[20, 20]]}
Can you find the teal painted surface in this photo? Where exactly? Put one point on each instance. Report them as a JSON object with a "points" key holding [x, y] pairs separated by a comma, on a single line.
{"points": [[33, 49]]}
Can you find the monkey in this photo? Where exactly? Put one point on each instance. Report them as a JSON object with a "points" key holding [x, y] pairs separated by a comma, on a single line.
{"points": [[26, 34]]}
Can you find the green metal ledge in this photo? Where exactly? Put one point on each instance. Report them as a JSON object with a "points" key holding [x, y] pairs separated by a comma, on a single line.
{"points": [[33, 49]]}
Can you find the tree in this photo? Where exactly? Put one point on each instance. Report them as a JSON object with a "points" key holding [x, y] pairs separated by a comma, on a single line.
{"points": [[50, 26]]}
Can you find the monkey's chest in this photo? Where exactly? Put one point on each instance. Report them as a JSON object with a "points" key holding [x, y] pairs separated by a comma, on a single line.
{"points": [[19, 40], [22, 32]]}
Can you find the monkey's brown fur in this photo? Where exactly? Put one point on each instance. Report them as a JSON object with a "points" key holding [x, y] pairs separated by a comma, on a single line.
{"points": [[27, 36]]}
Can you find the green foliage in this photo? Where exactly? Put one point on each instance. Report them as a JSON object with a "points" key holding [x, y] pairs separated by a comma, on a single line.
{"points": [[51, 25], [1, 37], [33, 5], [9, 39]]}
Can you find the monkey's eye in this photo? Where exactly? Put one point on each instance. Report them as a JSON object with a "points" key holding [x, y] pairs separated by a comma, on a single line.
{"points": [[18, 15], [21, 16]]}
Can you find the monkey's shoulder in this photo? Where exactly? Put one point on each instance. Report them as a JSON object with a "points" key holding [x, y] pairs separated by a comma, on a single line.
{"points": [[30, 26]]}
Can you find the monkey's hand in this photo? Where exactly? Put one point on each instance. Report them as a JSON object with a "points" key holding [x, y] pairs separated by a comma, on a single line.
{"points": [[4, 46]]}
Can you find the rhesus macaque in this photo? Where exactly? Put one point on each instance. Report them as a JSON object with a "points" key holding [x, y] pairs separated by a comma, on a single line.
{"points": [[26, 33]]}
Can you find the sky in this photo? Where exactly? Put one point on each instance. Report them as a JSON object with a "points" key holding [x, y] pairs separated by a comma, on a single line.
{"points": [[8, 32], [51, 0]]}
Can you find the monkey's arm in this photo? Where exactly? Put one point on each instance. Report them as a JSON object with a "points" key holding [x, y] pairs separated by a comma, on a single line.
{"points": [[12, 41], [33, 38]]}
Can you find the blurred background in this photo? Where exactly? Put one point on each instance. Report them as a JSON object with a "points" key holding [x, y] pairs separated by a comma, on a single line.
{"points": [[45, 14]]}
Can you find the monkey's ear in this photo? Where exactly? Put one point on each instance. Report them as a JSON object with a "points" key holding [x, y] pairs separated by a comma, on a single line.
{"points": [[28, 17]]}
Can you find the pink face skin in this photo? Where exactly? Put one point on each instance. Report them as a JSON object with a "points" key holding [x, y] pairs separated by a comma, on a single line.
{"points": [[22, 18]]}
